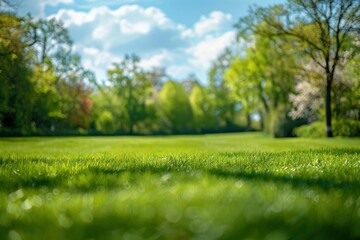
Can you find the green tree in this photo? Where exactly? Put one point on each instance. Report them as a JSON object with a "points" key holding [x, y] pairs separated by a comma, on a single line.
{"points": [[220, 93], [242, 79], [174, 107], [107, 109], [62, 84], [262, 79], [322, 28], [201, 107], [133, 88], [16, 94], [47, 99], [75, 87], [51, 40]]}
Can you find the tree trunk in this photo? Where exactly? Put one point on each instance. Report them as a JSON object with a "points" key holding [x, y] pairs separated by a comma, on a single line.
{"points": [[329, 132], [248, 122], [131, 128], [262, 121]]}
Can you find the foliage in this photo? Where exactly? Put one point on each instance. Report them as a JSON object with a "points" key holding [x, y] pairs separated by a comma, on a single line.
{"points": [[16, 88], [347, 128], [133, 88], [281, 125], [323, 29], [174, 107], [105, 122], [263, 79], [44, 87], [313, 130], [220, 93], [287, 60], [342, 127], [202, 108]]}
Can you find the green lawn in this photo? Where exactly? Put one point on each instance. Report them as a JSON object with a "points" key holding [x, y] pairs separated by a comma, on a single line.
{"points": [[224, 186]]}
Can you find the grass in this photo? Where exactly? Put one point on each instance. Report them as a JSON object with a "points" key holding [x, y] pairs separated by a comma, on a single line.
{"points": [[225, 186]]}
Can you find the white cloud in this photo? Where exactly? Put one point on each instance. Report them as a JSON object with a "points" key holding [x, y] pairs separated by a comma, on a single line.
{"points": [[213, 22], [115, 29], [105, 35], [91, 51], [206, 51], [157, 60], [97, 60]]}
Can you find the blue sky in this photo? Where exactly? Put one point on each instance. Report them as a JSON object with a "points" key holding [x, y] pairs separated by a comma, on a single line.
{"points": [[184, 36]]}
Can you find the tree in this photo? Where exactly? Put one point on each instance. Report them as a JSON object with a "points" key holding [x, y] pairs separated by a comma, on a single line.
{"points": [[322, 28], [174, 106], [201, 107], [50, 39], [16, 94], [262, 77], [241, 77], [61, 83], [75, 88], [219, 91], [133, 88], [107, 109]]}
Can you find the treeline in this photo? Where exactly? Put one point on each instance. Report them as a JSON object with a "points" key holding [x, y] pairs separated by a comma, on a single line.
{"points": [[294, 70], [44, 87], [46, 90], [136, 101], [300, 66]]}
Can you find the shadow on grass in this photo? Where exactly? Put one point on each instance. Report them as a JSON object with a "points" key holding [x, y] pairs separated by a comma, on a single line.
{"points": [[108, 178], [91, 175], [321, 182]]}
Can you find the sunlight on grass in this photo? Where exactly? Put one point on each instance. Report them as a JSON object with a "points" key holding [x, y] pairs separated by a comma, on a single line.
{"points": [[222, 186]]}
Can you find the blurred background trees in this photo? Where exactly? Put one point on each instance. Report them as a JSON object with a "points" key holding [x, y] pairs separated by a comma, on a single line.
{"points": [[294, 70]]}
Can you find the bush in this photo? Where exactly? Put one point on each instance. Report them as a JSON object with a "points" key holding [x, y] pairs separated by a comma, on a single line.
{"points": [[346, 128], [106, 122], [313, 130], [342, 127], [281, 125]]}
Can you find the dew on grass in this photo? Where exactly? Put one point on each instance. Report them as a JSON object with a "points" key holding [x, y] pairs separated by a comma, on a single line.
{"points": [[86, 216], [166, 177], [66, 196], [12, 208], [173, 215], [37, 201], [192, 212], [14, 235], [16, 195], [55, 192], [64, 221], [27, 204], [127, 185], [239, 184], [200, 225], [49, 196]]}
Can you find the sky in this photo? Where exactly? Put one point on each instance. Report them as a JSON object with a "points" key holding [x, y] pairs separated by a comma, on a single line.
{"points": [[184, 36]]}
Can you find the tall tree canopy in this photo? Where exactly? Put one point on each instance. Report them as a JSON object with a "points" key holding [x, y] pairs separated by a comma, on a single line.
{"points": [[133, 88], [323, 29]]}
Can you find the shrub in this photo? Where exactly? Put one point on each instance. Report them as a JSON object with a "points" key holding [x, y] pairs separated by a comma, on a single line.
{"points": [[281, 125], [106, 122], [313, 130], [342, 127], [347, 128]]}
